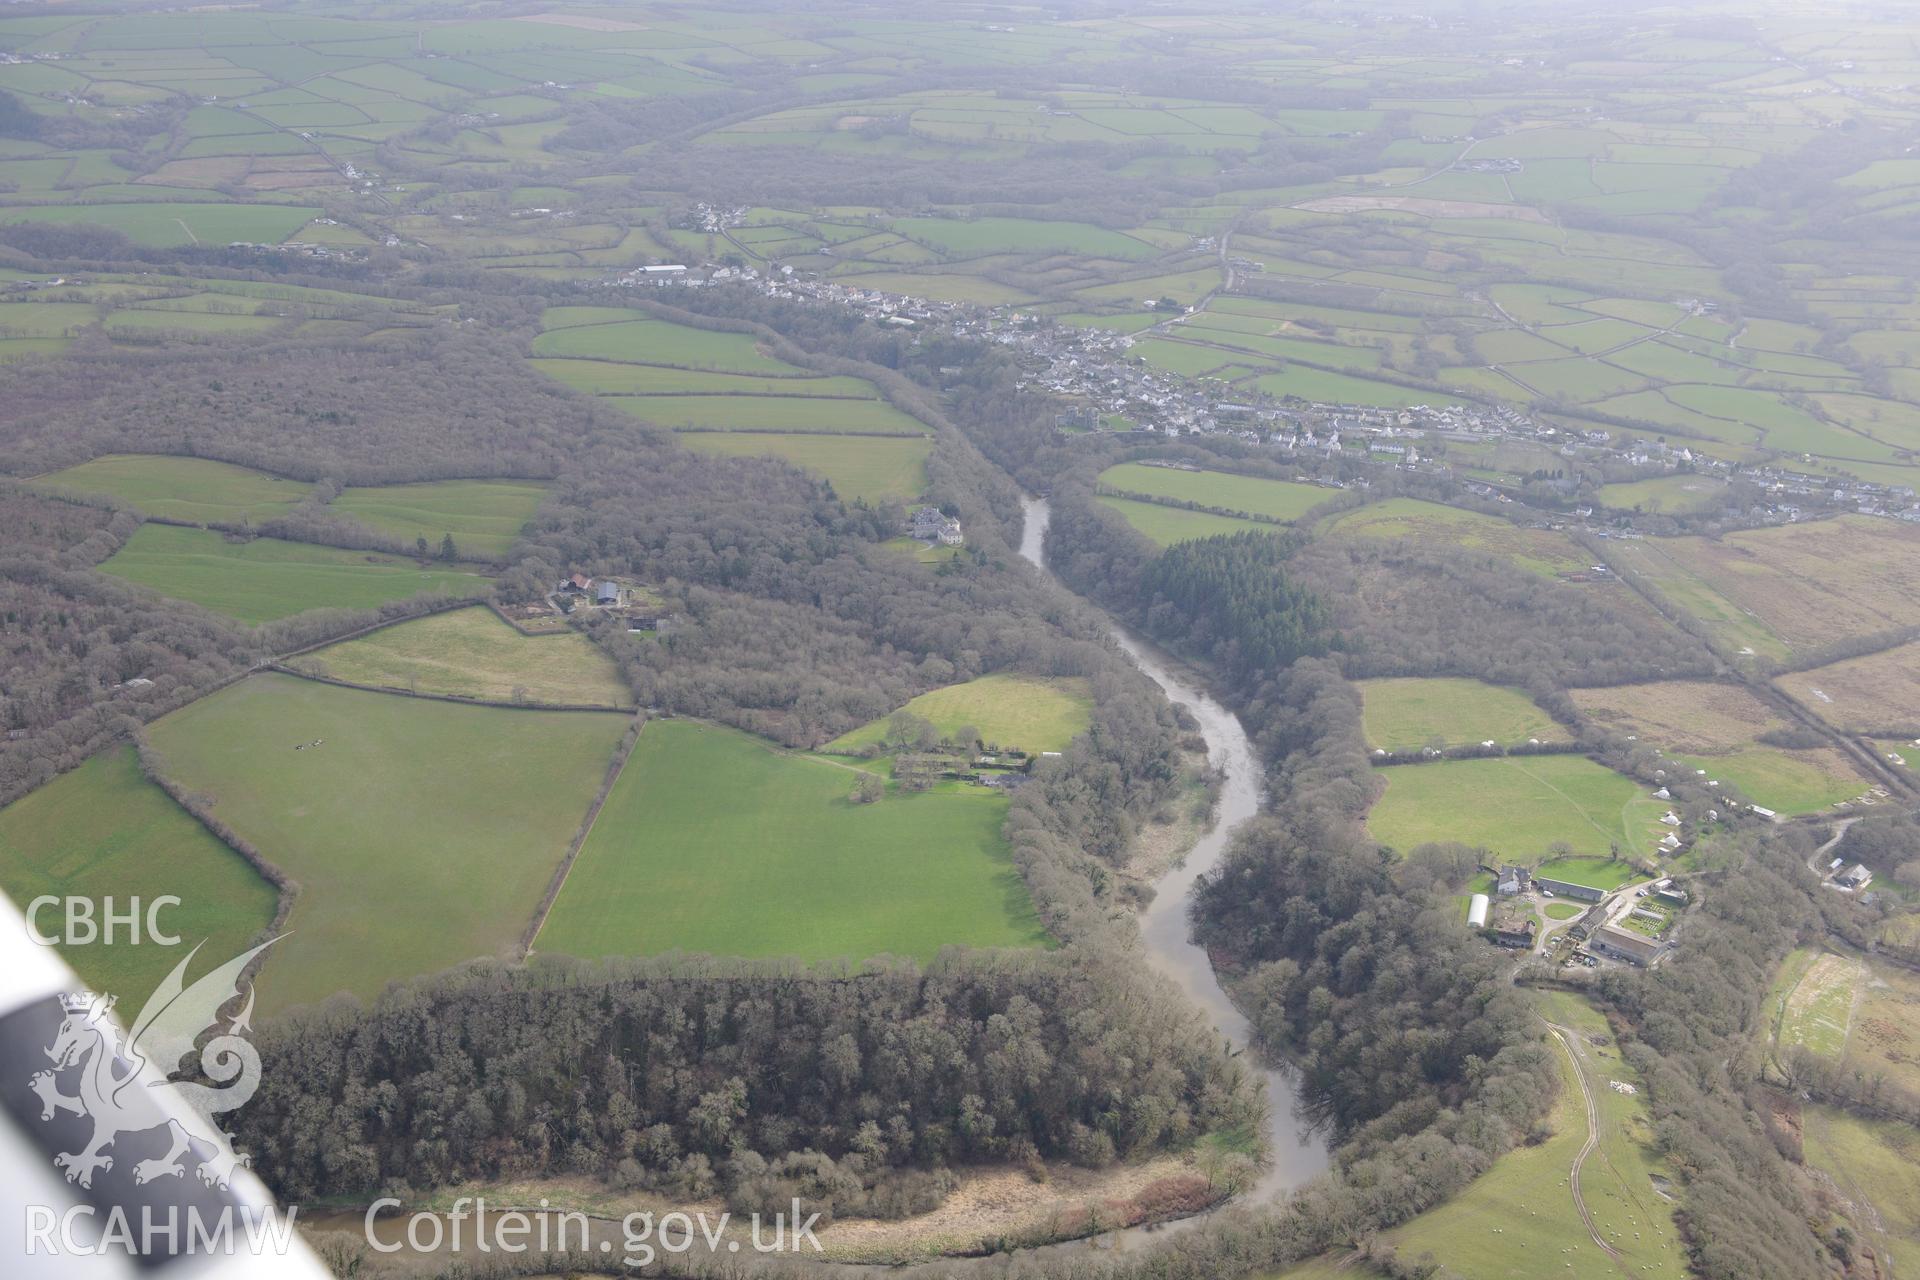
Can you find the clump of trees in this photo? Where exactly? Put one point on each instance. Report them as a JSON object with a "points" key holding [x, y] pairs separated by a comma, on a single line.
{"points": [[853, 1090], [72, 639], [1229, 597]]}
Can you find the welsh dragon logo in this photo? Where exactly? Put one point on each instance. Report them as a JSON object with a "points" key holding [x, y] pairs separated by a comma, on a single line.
{"points": [[114, 1078]]}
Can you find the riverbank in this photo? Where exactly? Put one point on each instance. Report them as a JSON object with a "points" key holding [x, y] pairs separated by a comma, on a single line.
{"points": [[993, 1209], [1294, 1154]]}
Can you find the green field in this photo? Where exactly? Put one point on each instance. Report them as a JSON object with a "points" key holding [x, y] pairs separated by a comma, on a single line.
{"points": [[1674, 495], [1595, 872], [1788, 782], [266, 579], [1024, 712], [876, 469], [165, 225], [1538, 551], [1165, 525], [1515, 806], [771, 413], [1322, 386], [104, 831], [1717, 727], [1408, 714], [604, 377], [713, 841], [421, 833], [1246, 495], [1814, 1002], [982, 236], [1872, 1161], [1652, 560], [1518, 1221], [472, 653], [191, 489], [485, 517], [641, 341]]}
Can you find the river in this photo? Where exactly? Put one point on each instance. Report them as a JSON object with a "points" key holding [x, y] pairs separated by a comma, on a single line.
{"points": [[1296, 1154]]}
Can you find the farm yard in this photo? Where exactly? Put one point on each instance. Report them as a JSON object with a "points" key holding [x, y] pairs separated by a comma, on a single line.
{"points": [[472, 653], [713, 841], [265, 579], [1024, 712], [1407, 714], [421, 833], [1718, 728], [1515, 806], [104, 831]]}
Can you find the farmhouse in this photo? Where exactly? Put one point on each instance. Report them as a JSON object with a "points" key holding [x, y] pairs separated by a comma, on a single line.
{"points": [[930, 524], [1512, 880], [1625, 944], [1856, 876], [1568, 889]]}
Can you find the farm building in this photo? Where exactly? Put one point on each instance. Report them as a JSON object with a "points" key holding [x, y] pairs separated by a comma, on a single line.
{"points": [[1856, 876], [1477, 911], [1625, 944], [1568, 889], [930, 524], [607, 593], [1512, 929], [1512, 880]]}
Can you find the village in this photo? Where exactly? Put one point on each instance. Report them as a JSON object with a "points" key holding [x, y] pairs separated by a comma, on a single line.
{"points": [[1110, 391]]}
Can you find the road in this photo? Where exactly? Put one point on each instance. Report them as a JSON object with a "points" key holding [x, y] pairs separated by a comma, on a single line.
{"points": [[1566, 1039], [1818, 859]]}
